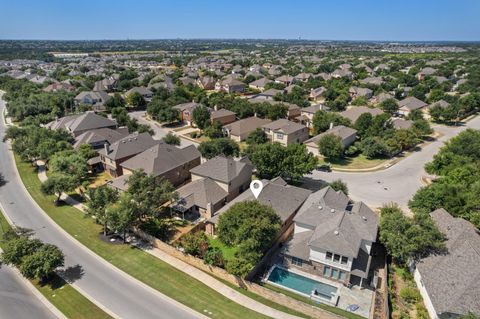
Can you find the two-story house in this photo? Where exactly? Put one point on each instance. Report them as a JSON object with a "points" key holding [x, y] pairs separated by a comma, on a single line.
{"points": [[285, 132], [333, 238], [80, 123]]}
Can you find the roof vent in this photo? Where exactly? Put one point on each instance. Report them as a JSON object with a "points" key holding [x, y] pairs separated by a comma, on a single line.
{"points": [[364, 218], [332, 210], [320, 207], [336, 232]]}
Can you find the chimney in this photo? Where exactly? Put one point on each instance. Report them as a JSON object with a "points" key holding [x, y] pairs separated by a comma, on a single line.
{"points": [[331, 125], [209, 212], [106, 146], [215, 107]]}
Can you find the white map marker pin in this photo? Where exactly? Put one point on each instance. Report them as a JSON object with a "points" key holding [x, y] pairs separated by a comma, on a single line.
{"points": [[256, 187]]}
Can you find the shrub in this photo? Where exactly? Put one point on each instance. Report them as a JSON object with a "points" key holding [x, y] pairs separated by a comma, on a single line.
{"points": [[409, 295], [214, 257], [195, 244]]}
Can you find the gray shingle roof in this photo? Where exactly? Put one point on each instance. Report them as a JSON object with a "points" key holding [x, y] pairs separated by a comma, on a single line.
{"points": [[341, 131], [411, 103], [451, 279], [285, 126], [354, 113], [161, 158], [99, 135], [130, 145], [81, 122], [222, 169], [338, 224], [200, 193], [276, 193], [246, 125]]}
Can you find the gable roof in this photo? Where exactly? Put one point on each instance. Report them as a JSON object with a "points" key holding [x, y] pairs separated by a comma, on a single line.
{"points": [[283, 198], [285, 126], [200, 193], [338, 224], [81, 122], [161, 158], [245, 125], [451, 279], [354, 113], [99, 135], [411, 103], [341, 131], [129, 145], [222, 169]]}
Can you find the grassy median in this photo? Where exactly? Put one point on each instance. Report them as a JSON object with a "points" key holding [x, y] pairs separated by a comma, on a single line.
{"points": [[62, 295], [141, 265]]}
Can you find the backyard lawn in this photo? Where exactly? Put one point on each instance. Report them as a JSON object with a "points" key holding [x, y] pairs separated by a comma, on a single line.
{"points": [[62, 295], [139, 264], [228, 252]]}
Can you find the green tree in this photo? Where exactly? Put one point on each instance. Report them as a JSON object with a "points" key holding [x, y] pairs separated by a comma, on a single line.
{"points": [[99, 199], [136, 99], [339, 185], [57, 184], [239, 267], [219, 146], [373, 147], [171, 139], [17, 248], [390, 106], [214, 130], [195, 244], [114, 102], [322, 120], [201, 116], [214, 257], [69, 163], [363, 124], [42, 263], [257, 137], [122, 215], [408, 238], [330, 146]]}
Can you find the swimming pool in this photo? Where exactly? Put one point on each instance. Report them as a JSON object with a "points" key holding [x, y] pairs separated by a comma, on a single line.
{"points": [[301, 284]]}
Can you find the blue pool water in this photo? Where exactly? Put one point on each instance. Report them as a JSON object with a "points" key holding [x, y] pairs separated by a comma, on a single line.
{"points": [[301, 284]]}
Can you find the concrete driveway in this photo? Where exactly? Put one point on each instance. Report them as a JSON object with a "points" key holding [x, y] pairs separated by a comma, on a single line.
{"points": [[159, 131], [396, 184]]}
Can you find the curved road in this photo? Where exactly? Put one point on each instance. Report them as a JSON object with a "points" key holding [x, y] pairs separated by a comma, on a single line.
{"points": [[17, 300], [399, 182], [121, 295]]}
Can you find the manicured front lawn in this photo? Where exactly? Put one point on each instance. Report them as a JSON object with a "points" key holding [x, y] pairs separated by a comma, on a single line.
{"points": [[62, 295], [141, 265], [335, 310], [357, 162], [228, 252]]}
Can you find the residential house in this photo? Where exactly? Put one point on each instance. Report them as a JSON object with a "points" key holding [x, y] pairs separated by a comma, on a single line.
{"points": [[333, 238], [442, 103], [425, 72], [284, 199], [317, 94], [342, 73], [92, 98], [346, 134], [232, 176], [230, 85], [267, 95], [285, 132], [374, 80], [206, 82], [409, 104], [377, 99], [186, 110], [259, 84], [356, 92], [307, 113], [285, 80], [239, 130], [448, 282], [303, 77], [80, 123], [143, 91], [354, 112], [107, 85], [223, 116], [401, 124], [112, 156], [165, 161], [59, 86]]}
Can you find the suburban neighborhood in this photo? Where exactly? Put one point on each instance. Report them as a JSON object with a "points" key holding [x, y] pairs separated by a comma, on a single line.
{"points": [[230, 178]]}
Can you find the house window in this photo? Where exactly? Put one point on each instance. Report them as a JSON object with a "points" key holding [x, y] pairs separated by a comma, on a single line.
{"points": [[344, 260], [334, 273], [279, 136], [336, 258], [342, 275], [326, 271], [329, 255], [297, 261]]}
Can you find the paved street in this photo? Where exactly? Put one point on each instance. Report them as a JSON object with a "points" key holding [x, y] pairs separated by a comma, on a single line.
{"points": [[122, 295], [397, 183], [17, 300], [159, 132]]}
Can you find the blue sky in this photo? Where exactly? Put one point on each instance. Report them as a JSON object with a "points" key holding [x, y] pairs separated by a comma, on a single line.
{"points": [[400, 20]]}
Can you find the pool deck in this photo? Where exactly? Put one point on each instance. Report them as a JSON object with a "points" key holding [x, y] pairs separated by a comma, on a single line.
{"points": [[346, 296]]}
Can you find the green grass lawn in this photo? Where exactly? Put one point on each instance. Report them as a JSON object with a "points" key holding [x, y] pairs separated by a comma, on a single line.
{"points": [[335, 310], [228, 252], [62, 295], [357, 162], [141, 265]]}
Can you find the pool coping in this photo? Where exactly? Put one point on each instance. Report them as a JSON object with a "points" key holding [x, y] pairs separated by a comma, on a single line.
{"points": [[333, 301]]}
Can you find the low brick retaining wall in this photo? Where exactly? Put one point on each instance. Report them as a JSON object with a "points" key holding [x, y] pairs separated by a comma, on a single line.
{"points": [[221, 273]]}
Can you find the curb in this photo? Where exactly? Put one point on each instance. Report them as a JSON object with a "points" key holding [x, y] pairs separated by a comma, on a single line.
{"points": [[57, 313], [106, 263]]}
